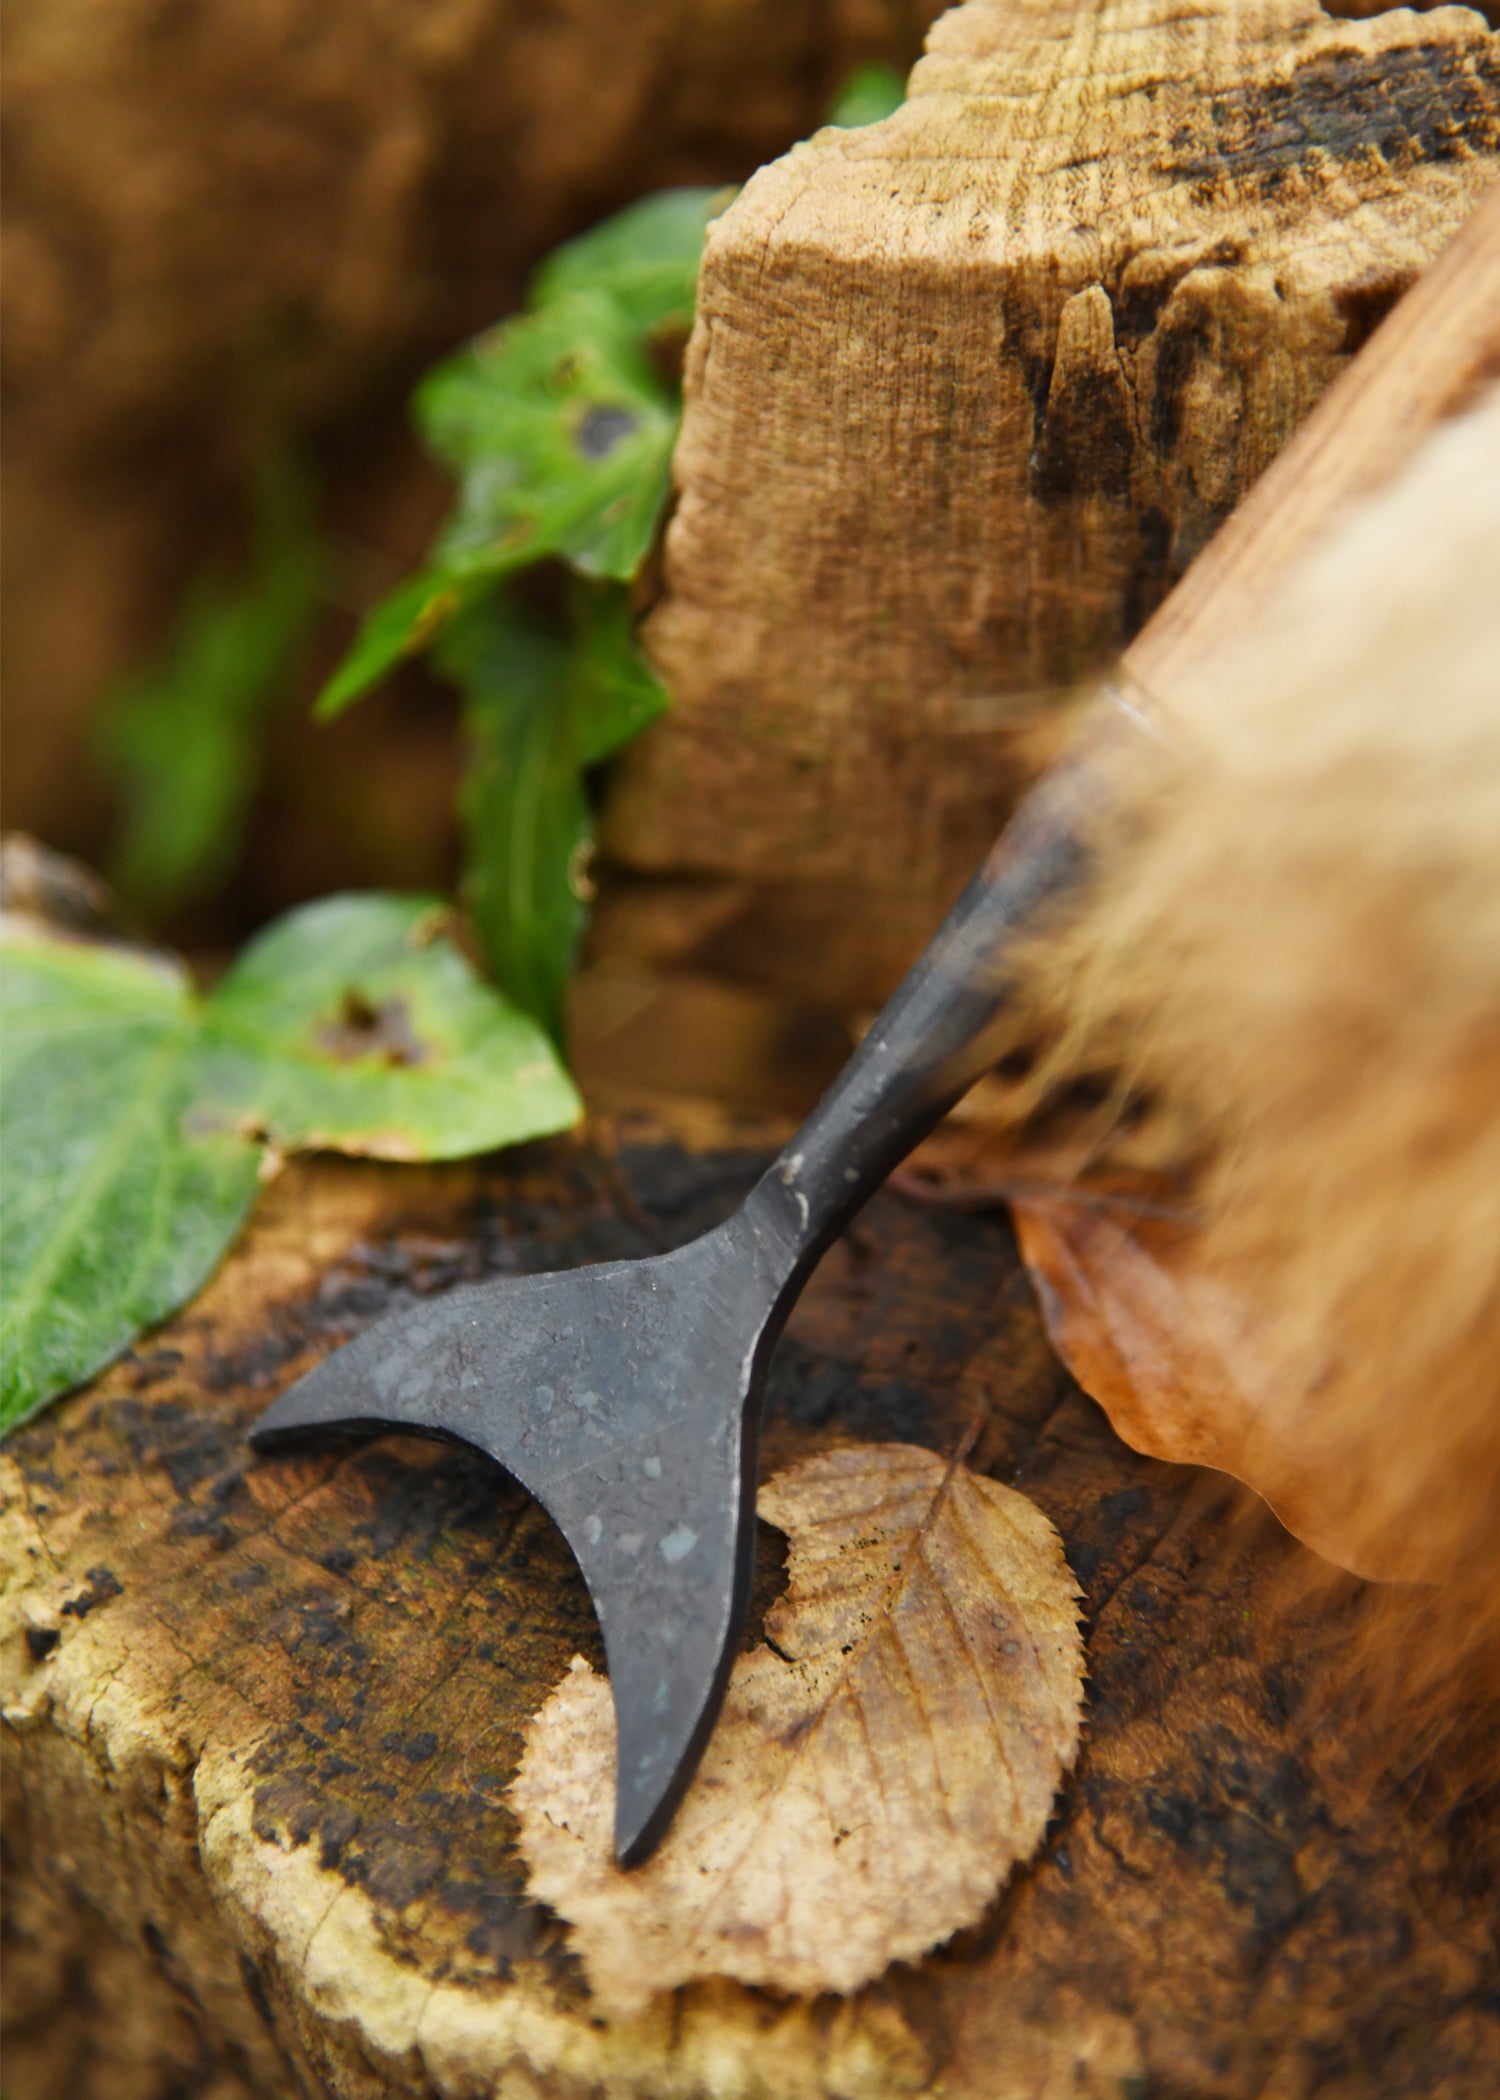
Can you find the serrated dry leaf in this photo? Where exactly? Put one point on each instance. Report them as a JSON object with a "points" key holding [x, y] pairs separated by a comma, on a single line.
{"points": [[874, 1775]]}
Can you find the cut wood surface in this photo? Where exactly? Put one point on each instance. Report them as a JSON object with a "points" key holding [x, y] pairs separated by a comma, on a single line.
{"points": [[1433, 358], [259, 1716], [969, 390]]}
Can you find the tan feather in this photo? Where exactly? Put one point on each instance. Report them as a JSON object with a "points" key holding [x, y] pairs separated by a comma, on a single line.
{"points": [[1292, 948]]}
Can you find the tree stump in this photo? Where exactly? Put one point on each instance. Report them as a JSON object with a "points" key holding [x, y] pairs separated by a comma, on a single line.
{"points": [[968, 391], [259, 1716]]}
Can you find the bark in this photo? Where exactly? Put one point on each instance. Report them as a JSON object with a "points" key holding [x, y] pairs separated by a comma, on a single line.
{"points": [[259, 1716], [968, 392]]}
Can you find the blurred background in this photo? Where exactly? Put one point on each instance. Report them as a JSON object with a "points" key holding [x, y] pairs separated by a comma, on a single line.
{"points": [[233, 238]]}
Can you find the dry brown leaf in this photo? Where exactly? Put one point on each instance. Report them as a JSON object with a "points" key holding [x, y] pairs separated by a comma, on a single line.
{"points": [[1181, 1347], [1184, 1362], [874, 1776]]}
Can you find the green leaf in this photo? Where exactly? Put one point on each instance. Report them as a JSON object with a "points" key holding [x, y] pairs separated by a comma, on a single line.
{"points": [[540, 711], [134, 1116], [561, 433], [524, 811], [112, 1211], [355, 1024], [399, 626], [613, 691], [870, 93], [646, 257], [181, 738]]}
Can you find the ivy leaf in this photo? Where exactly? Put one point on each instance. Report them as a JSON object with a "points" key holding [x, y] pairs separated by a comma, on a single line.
{"points": [[181, 737], [870, 93], [524, 811], [540, 711], [613, 691], [113, 1211], [354, 1024], [561, 432], [875, 1774], [401, 625], [646, 258], [134, 1115]]}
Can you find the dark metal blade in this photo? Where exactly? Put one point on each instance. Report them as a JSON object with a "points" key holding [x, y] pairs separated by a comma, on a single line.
{"points": [[621, 1397]]}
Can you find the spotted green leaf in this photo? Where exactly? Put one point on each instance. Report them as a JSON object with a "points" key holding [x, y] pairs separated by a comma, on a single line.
{"points": [[561, 433], [135, 1115], [355, 1024]]}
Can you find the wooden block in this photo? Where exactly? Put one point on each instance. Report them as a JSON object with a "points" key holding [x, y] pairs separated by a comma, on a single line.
{"points": [[969, 390], [259, 1717]]}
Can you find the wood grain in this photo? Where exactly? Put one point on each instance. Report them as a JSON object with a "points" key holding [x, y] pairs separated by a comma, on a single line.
{"points": [[1429, 360], [259, 1717], [969, 391]]}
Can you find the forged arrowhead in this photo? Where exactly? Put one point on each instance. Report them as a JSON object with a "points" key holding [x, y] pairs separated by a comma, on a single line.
{"points": [[625, 1398]]}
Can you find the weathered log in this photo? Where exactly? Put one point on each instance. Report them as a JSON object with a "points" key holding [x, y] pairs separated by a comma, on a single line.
{"points": [[259, 1718], [969, 390]]}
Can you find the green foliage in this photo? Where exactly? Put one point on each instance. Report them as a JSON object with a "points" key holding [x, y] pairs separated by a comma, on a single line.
{"points": [[401, 625], [136, 1117], [870, 93], [560, 431], [540, 709], [558, 427], [645, 257], [111, 1212], [181, 737], [355, 1024]]}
